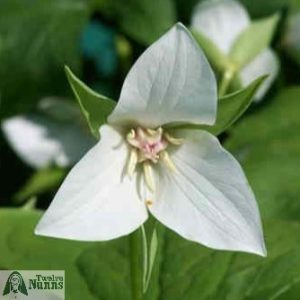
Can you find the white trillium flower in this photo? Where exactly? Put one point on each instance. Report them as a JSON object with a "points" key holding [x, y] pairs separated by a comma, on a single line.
{"points": [[41, 140], [222, 21], [184, 178]]}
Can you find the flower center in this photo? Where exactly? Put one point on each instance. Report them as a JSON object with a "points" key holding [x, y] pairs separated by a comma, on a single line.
{"points": [[148, 146], [148, 143]]}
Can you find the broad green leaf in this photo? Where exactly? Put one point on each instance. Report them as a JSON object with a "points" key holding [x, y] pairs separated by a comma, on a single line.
{"points": [[95, 107], [266, 278], [21, 250], [36, 39], [105, 269], [187, 270], [268, 146], [253, 40], [192, 272], [143, 20], [216, 57], [230, 108], [41, 181]]}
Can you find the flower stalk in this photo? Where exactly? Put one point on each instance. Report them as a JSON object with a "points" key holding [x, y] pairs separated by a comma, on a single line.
{"points": [[135, 248], [227, 77]]}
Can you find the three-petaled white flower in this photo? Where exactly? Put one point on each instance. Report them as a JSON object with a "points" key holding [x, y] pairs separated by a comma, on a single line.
{"points": [[222, 21], [143, 164]]}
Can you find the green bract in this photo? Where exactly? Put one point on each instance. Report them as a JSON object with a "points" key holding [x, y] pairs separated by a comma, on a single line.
{"points": [[230, 108], [94, 107], [252, 41], [217, 58]]}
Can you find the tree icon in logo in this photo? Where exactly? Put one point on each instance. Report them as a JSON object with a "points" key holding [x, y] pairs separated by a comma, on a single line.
{"points": [[15, 285]]}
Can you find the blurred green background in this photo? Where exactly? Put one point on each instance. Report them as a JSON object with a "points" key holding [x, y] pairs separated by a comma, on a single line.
{"points": [[100, 40]]}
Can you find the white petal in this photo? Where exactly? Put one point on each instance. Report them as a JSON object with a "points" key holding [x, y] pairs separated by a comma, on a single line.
{"points": [[39, 141], [208, 200], [221, 21], [171, 82], [265, 63], [96, 201]]}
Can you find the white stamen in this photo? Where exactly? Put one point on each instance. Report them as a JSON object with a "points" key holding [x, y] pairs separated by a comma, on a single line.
{"points": [[148, 175], [133, 159], [130, 135], [173, 140], [164, 155]]}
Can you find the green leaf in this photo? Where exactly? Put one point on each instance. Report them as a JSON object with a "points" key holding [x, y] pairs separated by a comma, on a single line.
{"points": [[192, 272], [230, 108], [184, 270], [266, 278], [187, 270], [268, 145], [136, 18], [21, 250], [109, 263], [36, 39], [294, 5], [95, 107], [105, 269], [41, 181], [253, 40], [216, 57]]}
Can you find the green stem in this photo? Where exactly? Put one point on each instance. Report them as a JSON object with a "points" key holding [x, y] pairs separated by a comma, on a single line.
{"points": [[225, 81], [135, 265]]}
